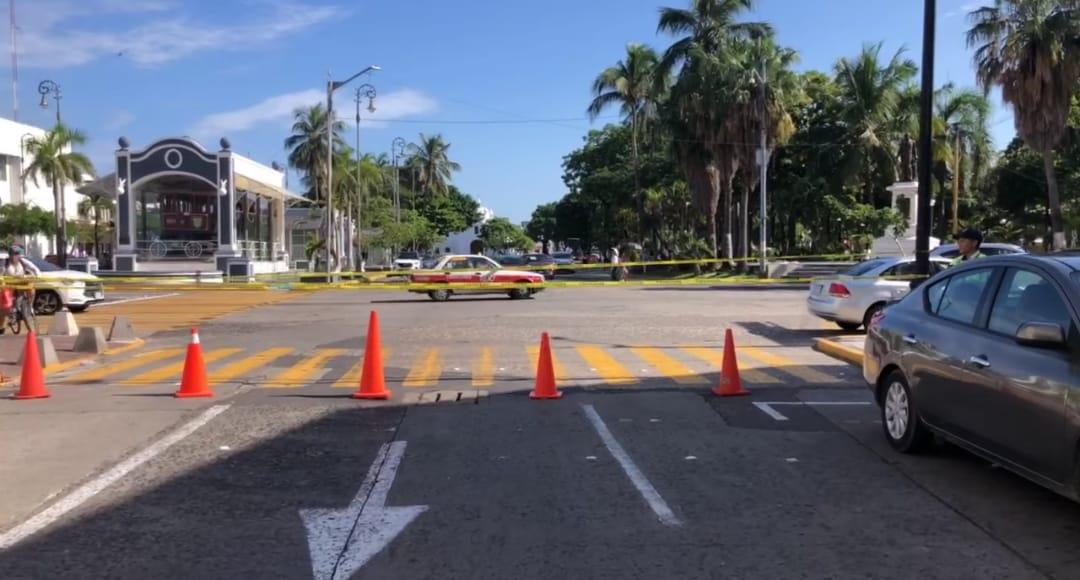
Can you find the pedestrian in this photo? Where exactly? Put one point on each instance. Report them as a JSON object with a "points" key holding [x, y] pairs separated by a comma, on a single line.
{"points": [[968, 242]]}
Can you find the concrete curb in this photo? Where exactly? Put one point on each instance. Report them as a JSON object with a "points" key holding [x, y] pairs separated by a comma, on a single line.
{"points": [[839, 351], [68, 364]]}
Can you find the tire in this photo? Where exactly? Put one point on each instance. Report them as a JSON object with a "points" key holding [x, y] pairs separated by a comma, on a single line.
{"points": [[848, 326], [439, 295], [47, 302], [519, 293], [871, 313], [900, 420]]}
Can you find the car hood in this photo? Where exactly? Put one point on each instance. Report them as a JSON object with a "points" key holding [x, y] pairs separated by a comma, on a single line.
{"points": [[69, 275]]}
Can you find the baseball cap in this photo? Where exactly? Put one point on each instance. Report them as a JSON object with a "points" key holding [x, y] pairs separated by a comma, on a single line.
{"points": [[17, 250], [970, 234]]}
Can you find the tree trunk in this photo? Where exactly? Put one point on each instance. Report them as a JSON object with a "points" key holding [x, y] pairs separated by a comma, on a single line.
{"points": [[97, 247], [744, 225], [61, 233], [1054, 201], [638, 194]]}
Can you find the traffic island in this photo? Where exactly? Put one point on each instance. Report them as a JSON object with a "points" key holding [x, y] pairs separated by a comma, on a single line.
{"points": [[847, 349]]}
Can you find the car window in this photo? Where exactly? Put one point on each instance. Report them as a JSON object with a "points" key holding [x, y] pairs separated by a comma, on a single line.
{"points": [[934, 293], [902, 269], [1026, 296], [960, 301], [863, 267], [481, 264], [458, 264], [950, 254]]}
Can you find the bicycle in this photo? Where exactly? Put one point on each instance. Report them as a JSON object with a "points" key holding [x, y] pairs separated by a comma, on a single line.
{"points": [[21, 315]]}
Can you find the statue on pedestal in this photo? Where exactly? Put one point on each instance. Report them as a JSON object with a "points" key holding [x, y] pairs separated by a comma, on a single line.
{"points": [[909, 162]]}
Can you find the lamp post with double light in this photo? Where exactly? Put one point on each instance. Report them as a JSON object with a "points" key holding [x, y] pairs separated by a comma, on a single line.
{"points": [[363, 91], [45, 88], [397, 148]]}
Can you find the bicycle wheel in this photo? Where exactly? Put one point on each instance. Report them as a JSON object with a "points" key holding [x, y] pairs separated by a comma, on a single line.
{"points": [[15, 322], [28, 318]]}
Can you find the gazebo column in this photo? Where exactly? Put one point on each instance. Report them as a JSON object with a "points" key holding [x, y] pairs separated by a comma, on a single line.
{"points": [[125, 257], [228, 250]]}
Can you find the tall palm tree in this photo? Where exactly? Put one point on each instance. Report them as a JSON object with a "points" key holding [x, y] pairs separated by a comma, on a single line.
{"points": [[307, 147], [432, 164], [700, 99], [1030, 49], [633, 85], [964, 114], [55, 162], [874, 94], [95, 206]]}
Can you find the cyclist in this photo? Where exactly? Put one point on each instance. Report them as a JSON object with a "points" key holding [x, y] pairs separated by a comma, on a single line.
{"points": [[19, 267]]}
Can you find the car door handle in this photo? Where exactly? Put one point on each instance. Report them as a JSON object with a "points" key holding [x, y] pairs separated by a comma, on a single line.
{"points": [[910, 339], [979, 361]]}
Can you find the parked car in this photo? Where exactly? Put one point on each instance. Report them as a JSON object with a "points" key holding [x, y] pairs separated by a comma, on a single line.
{"points": [[951, 251], [74, 289], [511, 260], [541, 263], [408, 261], [471, 270], [852, 298], [564, 262], [985, 356]]}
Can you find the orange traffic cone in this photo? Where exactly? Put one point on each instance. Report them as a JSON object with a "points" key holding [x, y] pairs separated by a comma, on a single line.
{"points": [[730, 385], [32, 384], [372, 381], [545, 373], [193, 383]]}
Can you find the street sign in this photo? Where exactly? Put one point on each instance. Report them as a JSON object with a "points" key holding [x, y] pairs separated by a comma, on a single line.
{"points": [[341, 541]]}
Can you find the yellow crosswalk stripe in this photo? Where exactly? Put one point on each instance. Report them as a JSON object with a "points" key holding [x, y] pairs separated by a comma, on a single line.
{"points": [[668, 366], [171, 372], [351, 378], [483, 371], [425, 371], [305, 371], [99, 373], [606, 366], [787, 365], [534, 359], [246, 365], [716, 359]]}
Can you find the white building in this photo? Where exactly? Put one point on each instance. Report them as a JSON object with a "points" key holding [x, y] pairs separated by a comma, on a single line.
{"points": [[12, 189], [466, 241]]}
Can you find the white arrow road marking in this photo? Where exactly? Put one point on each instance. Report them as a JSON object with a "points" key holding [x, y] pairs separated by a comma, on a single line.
{"points": [[767, 406], [341, 541]]}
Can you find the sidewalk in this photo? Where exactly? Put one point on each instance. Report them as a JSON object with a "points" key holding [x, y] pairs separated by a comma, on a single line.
{"points": [[846, 348]]}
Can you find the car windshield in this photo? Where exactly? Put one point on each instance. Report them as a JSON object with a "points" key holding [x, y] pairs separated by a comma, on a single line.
{"points": [[409, 256], [862, 268], [43, 265]]}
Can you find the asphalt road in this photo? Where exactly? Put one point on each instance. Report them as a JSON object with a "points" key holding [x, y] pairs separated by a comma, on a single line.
{"points": [[637, 472]]}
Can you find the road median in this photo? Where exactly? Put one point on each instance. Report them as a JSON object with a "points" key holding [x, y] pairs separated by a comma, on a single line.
{"points": [[840, 349]]}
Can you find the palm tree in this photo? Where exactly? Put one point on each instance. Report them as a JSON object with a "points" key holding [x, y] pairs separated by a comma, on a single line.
{"points": [[307, 147], [633, 85], [701, 97], [59, 165], [95, 206], [1029, 49], [432, 164], [964, 114], [874, 94]]}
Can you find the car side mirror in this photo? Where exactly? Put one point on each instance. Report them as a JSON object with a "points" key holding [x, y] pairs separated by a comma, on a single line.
{"points": [[1044, 334]]}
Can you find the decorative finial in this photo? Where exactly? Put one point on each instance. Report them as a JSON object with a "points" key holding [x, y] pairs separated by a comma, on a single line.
{"points": [[124, 143], [225, 145]]}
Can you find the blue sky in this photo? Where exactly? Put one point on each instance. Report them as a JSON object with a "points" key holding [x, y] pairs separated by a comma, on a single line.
{"points": [[506, 82]]}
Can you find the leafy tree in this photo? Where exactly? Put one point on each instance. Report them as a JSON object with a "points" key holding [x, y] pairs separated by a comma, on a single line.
{"points": [[1029, 49], [501, 235], [543, 223], [449, 213], [56, 163], [93, 207], [19, 220]]}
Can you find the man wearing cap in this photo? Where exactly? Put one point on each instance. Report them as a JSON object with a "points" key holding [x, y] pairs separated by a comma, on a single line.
{"points": [[968, 242]]}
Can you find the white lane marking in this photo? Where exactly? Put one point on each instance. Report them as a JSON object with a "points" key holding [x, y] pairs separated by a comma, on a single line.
{"points": [[652, 497], [767, 406], [139, 299], [95, 486], [768, 410]]}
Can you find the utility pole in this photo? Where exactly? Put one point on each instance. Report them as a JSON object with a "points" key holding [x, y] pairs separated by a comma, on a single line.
{"points": [[926, 101], [14, 63], [764, 176], [364, 90]]}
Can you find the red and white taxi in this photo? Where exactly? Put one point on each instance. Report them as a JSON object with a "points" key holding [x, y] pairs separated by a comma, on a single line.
{"points": [[470, 271]]}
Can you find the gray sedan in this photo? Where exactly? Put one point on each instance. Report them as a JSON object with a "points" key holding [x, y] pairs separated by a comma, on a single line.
{"points": [[987, 355]]}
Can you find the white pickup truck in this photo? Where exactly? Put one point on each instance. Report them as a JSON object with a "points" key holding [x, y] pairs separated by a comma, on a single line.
{"points": [[408, 261]]}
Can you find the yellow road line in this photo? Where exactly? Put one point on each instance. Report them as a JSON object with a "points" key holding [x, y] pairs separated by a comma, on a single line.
{"points": [[716, 359], [483, 371], [606, 366], [304, 371], [171, 372], [98, 373], [534, 358], [787, 365], [425, 370], [351, 378], [248, 364], [668, 366]]}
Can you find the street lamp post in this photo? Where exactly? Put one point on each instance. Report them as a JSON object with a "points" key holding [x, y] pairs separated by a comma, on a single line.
{"points": [[397, 145], [331, 86], [44, 88], [926, 102], [364, 90]]}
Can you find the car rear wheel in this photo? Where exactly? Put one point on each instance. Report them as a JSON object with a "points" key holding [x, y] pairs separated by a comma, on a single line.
{"points": [[439, 295], [47, 302], [519, 293], [848, 326], [899, 417]]}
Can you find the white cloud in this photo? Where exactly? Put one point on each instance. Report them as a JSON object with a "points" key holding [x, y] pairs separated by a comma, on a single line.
{"points": [[50, 35], [278, 110], [119, 120]]}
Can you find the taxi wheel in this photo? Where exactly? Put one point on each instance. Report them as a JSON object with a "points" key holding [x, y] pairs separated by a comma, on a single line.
{"points": [[519, 293], [439, 295]]}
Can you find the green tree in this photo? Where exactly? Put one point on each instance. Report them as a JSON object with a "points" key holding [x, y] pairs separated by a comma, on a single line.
{"points": [[56, 163], [1030, 49], [964, 115], [501, 234], [542, 223], [19, 220], [306, 145], [449, 213], [93, 207], [431, 161]]}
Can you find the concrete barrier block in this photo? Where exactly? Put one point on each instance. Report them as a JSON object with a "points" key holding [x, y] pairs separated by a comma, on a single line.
{"points": [[63, 324], [46, 352], [121, 330], [91, 339]]}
